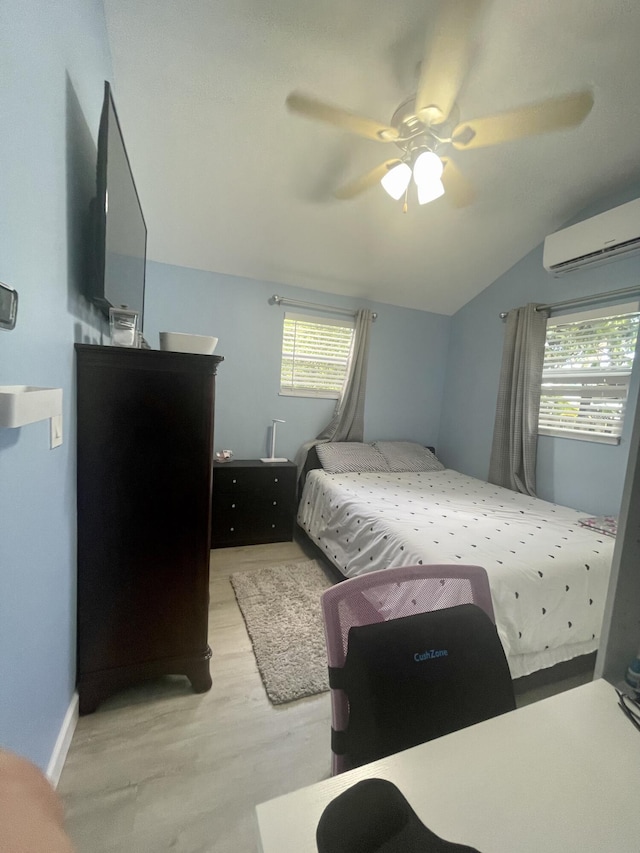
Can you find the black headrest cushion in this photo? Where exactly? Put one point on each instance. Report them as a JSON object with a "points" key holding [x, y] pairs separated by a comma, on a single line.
{"points": [[413, 679]]}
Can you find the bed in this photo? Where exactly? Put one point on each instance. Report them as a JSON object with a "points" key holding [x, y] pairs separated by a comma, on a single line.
{"points": [[548, 572]]}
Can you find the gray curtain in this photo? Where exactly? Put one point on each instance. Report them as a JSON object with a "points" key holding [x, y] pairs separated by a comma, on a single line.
{"points": [[515, 433], [347, 423]]}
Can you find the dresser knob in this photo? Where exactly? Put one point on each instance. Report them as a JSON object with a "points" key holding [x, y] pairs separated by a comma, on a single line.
{"points": [[234, 481], [233, 506], [275, 503], [275, 479], [273, 525], [232, 529]]}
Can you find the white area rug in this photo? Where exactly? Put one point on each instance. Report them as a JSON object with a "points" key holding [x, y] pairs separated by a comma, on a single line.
{"points": [[281, 609]]}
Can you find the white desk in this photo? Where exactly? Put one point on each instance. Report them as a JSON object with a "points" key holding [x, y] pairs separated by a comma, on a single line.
{"points": [[558, 776]]}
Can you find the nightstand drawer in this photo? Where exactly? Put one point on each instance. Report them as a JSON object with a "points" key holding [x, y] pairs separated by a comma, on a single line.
{"points": [[239, 480], [252, 504], [230, 529]]}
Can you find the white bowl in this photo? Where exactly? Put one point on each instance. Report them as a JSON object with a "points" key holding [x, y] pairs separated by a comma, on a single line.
{"points": [[181, 342]]}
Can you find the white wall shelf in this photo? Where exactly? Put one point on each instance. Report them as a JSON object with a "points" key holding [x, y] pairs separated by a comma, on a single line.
{"points": [[26, 404]]}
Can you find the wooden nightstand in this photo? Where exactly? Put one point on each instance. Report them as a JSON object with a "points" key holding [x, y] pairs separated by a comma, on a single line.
{"points": [[253, 502]]}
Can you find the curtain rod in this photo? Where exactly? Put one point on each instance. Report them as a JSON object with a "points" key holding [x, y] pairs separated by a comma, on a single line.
{"points": [[282, 300], [579, 300]]}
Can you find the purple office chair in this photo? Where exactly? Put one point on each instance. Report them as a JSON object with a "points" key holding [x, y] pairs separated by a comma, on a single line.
{"points": [[406, 591]]}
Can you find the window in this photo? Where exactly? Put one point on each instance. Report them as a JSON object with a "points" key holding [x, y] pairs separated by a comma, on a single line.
{"points": [[315, 355], [585, 378]]}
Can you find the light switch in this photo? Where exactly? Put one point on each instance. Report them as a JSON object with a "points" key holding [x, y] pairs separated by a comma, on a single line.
{"points": [[56, 431]]}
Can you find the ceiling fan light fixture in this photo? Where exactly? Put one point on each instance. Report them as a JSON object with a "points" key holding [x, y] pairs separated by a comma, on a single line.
{"points": [[427, 168], [396, 181], [430, 191]]}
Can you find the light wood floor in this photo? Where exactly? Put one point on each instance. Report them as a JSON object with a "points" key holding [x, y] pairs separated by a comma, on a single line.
{"points": [[158, 768]]}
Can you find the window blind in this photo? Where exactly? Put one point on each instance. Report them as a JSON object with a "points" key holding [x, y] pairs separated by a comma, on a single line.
{"points": [[585, 378], [315, 355]]}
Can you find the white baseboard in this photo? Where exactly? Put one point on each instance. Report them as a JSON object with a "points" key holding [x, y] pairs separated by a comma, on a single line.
{"points": [[63, 742]]}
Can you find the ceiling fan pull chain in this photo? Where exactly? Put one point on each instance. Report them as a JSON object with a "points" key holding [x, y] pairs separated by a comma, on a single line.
{"points": [[405, 206]]}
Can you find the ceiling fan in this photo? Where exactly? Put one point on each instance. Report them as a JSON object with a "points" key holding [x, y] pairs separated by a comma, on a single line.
{"points": [[427, 125]]}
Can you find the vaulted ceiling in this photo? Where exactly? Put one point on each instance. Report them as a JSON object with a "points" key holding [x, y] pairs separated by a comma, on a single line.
{"points": [[231, 181]]}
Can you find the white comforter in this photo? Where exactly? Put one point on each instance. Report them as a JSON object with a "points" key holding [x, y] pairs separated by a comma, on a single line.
{"points": [[548, 574]]}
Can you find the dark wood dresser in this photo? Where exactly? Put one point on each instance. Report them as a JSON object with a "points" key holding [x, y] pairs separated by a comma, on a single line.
{"points": [[145, 459], [253, 502]]}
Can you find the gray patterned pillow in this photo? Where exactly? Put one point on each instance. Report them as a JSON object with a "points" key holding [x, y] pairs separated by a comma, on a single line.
{"points": [[342, 457], [408, 456]]}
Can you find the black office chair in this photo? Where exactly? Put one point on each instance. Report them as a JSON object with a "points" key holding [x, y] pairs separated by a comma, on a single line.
{"points": [[406, 679]]}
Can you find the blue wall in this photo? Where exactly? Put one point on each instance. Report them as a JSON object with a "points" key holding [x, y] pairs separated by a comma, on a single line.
{"points": [[406, 360], [53, 61], [582, 474]]}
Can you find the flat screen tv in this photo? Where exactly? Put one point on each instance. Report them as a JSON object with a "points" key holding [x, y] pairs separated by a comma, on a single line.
{"points": [[120, 232]]}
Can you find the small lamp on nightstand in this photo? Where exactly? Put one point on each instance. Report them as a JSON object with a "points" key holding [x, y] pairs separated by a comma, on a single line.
{"points": [[273, 457]]}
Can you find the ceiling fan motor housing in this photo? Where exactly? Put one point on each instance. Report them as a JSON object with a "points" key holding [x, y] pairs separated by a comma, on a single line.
{"points": [[416, 135]]}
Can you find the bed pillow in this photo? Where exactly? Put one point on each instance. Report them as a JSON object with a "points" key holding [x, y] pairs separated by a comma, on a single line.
{"points": [[341, 457], [408, 456]]}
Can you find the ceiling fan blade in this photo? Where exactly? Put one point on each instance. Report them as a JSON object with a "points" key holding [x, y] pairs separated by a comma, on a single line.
{"points": [[321, 111], [446, 59], [458, 189], [359, 185], [553, 114]]}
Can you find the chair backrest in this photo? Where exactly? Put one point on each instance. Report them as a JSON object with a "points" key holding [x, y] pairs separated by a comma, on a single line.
{"points": [[391, 594]]}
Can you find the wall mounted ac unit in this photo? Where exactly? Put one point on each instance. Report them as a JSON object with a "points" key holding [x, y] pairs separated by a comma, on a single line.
{"points": [[612, 234]]}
